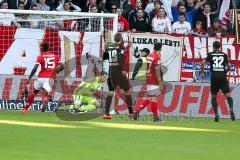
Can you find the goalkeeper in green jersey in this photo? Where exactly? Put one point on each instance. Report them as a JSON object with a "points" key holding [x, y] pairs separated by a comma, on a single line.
{"points": [[86, 95]]}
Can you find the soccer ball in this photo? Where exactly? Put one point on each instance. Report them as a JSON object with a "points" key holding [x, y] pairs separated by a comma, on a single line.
{"points": [[98, 92]]}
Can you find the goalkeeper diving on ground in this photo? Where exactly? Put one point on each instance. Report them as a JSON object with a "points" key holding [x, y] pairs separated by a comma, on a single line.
{"points": [[87, 96]]}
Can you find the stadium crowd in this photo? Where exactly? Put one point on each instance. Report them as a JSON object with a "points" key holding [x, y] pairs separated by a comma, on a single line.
{"points": [[198, 17]]}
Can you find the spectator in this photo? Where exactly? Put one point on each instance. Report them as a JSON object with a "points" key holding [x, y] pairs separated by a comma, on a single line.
{"points": [[132, 15], [93, 24], [141, 24], [181, 26], [20, 6], [206, 17], [167, 8], [89, 3], [198, 30], [68, 6], [42, 6], [81, 3], [126, 7], [56, 22], [113, 8], [13, 4], [6, 19], [122, 22], [161, 23], [34, 23], [151, 6], [155, 11], [102, 6], [189, 14], [216, 29], [190, 5], [53, 4]]}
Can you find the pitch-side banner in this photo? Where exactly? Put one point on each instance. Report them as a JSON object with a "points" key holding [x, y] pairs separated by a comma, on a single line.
{"points": [[183, 99], [171, 53], [195, 49]]}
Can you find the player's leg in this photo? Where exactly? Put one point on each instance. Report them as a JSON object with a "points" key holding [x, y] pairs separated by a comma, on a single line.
{"points": [[109, 99], [124, 84], [47, 87], [153, 93], [226, 91], [140, 108], [214, 105], [215, 86], [90, 104], [37, 86]]}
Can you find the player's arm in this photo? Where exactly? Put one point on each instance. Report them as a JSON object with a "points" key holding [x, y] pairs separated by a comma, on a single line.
{"points": [[204, 61], [228, 64], [105, 55], [120, 59], [60, 67], [34, 70], [137, 67], [158, 73]]}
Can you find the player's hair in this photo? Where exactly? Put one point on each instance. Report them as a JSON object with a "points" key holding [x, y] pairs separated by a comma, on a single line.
{"points": [[216, 44], [118, 37], [45, 46], [103, 73], [157, 46]]}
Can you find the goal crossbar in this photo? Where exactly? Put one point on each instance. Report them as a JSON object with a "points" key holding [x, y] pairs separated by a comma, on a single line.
{"points": [[59, 13]]}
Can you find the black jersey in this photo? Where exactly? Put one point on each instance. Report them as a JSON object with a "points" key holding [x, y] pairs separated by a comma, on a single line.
{"points": [[114, 54], [218, 63]]}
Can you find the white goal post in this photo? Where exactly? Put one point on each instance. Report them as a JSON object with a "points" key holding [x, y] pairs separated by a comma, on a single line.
{"points": [[68, 15]]}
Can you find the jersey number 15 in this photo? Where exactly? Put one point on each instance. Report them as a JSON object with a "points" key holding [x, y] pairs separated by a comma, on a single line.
{"points": [[49, 63]]}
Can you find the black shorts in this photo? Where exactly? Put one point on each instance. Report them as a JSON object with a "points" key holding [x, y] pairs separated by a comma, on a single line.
{"points": [[118, 80], [219, 83]]}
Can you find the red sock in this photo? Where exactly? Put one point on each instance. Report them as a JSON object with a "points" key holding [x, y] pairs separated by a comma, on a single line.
{"points": [[143, 105], [154, 109], [30, 100]]}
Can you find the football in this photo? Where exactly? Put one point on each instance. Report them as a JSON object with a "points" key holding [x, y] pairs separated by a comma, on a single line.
{"points": [[98, 92]]}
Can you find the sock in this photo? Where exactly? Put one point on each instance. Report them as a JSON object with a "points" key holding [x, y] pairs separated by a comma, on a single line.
{"points": [[143, 105], [214, 105], [29, 100], [129, 103], [230, 102], [154, 109], [108, 104]]}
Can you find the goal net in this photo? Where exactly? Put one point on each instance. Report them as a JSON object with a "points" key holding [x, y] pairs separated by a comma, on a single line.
{"points": [[77, 38]]}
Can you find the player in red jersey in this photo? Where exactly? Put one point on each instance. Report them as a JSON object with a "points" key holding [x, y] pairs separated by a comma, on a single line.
{"points": [[50, 66], [153, 82]]}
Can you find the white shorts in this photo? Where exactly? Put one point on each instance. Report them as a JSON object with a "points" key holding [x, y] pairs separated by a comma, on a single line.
{"points": [[44, 83], [153, 90]]}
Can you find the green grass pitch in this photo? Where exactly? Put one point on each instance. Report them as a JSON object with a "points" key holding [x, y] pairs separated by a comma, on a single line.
{"points": [[42, 136]]}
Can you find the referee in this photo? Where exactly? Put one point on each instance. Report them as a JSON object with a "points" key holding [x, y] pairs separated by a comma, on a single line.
{"points": [[219, 66]]}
